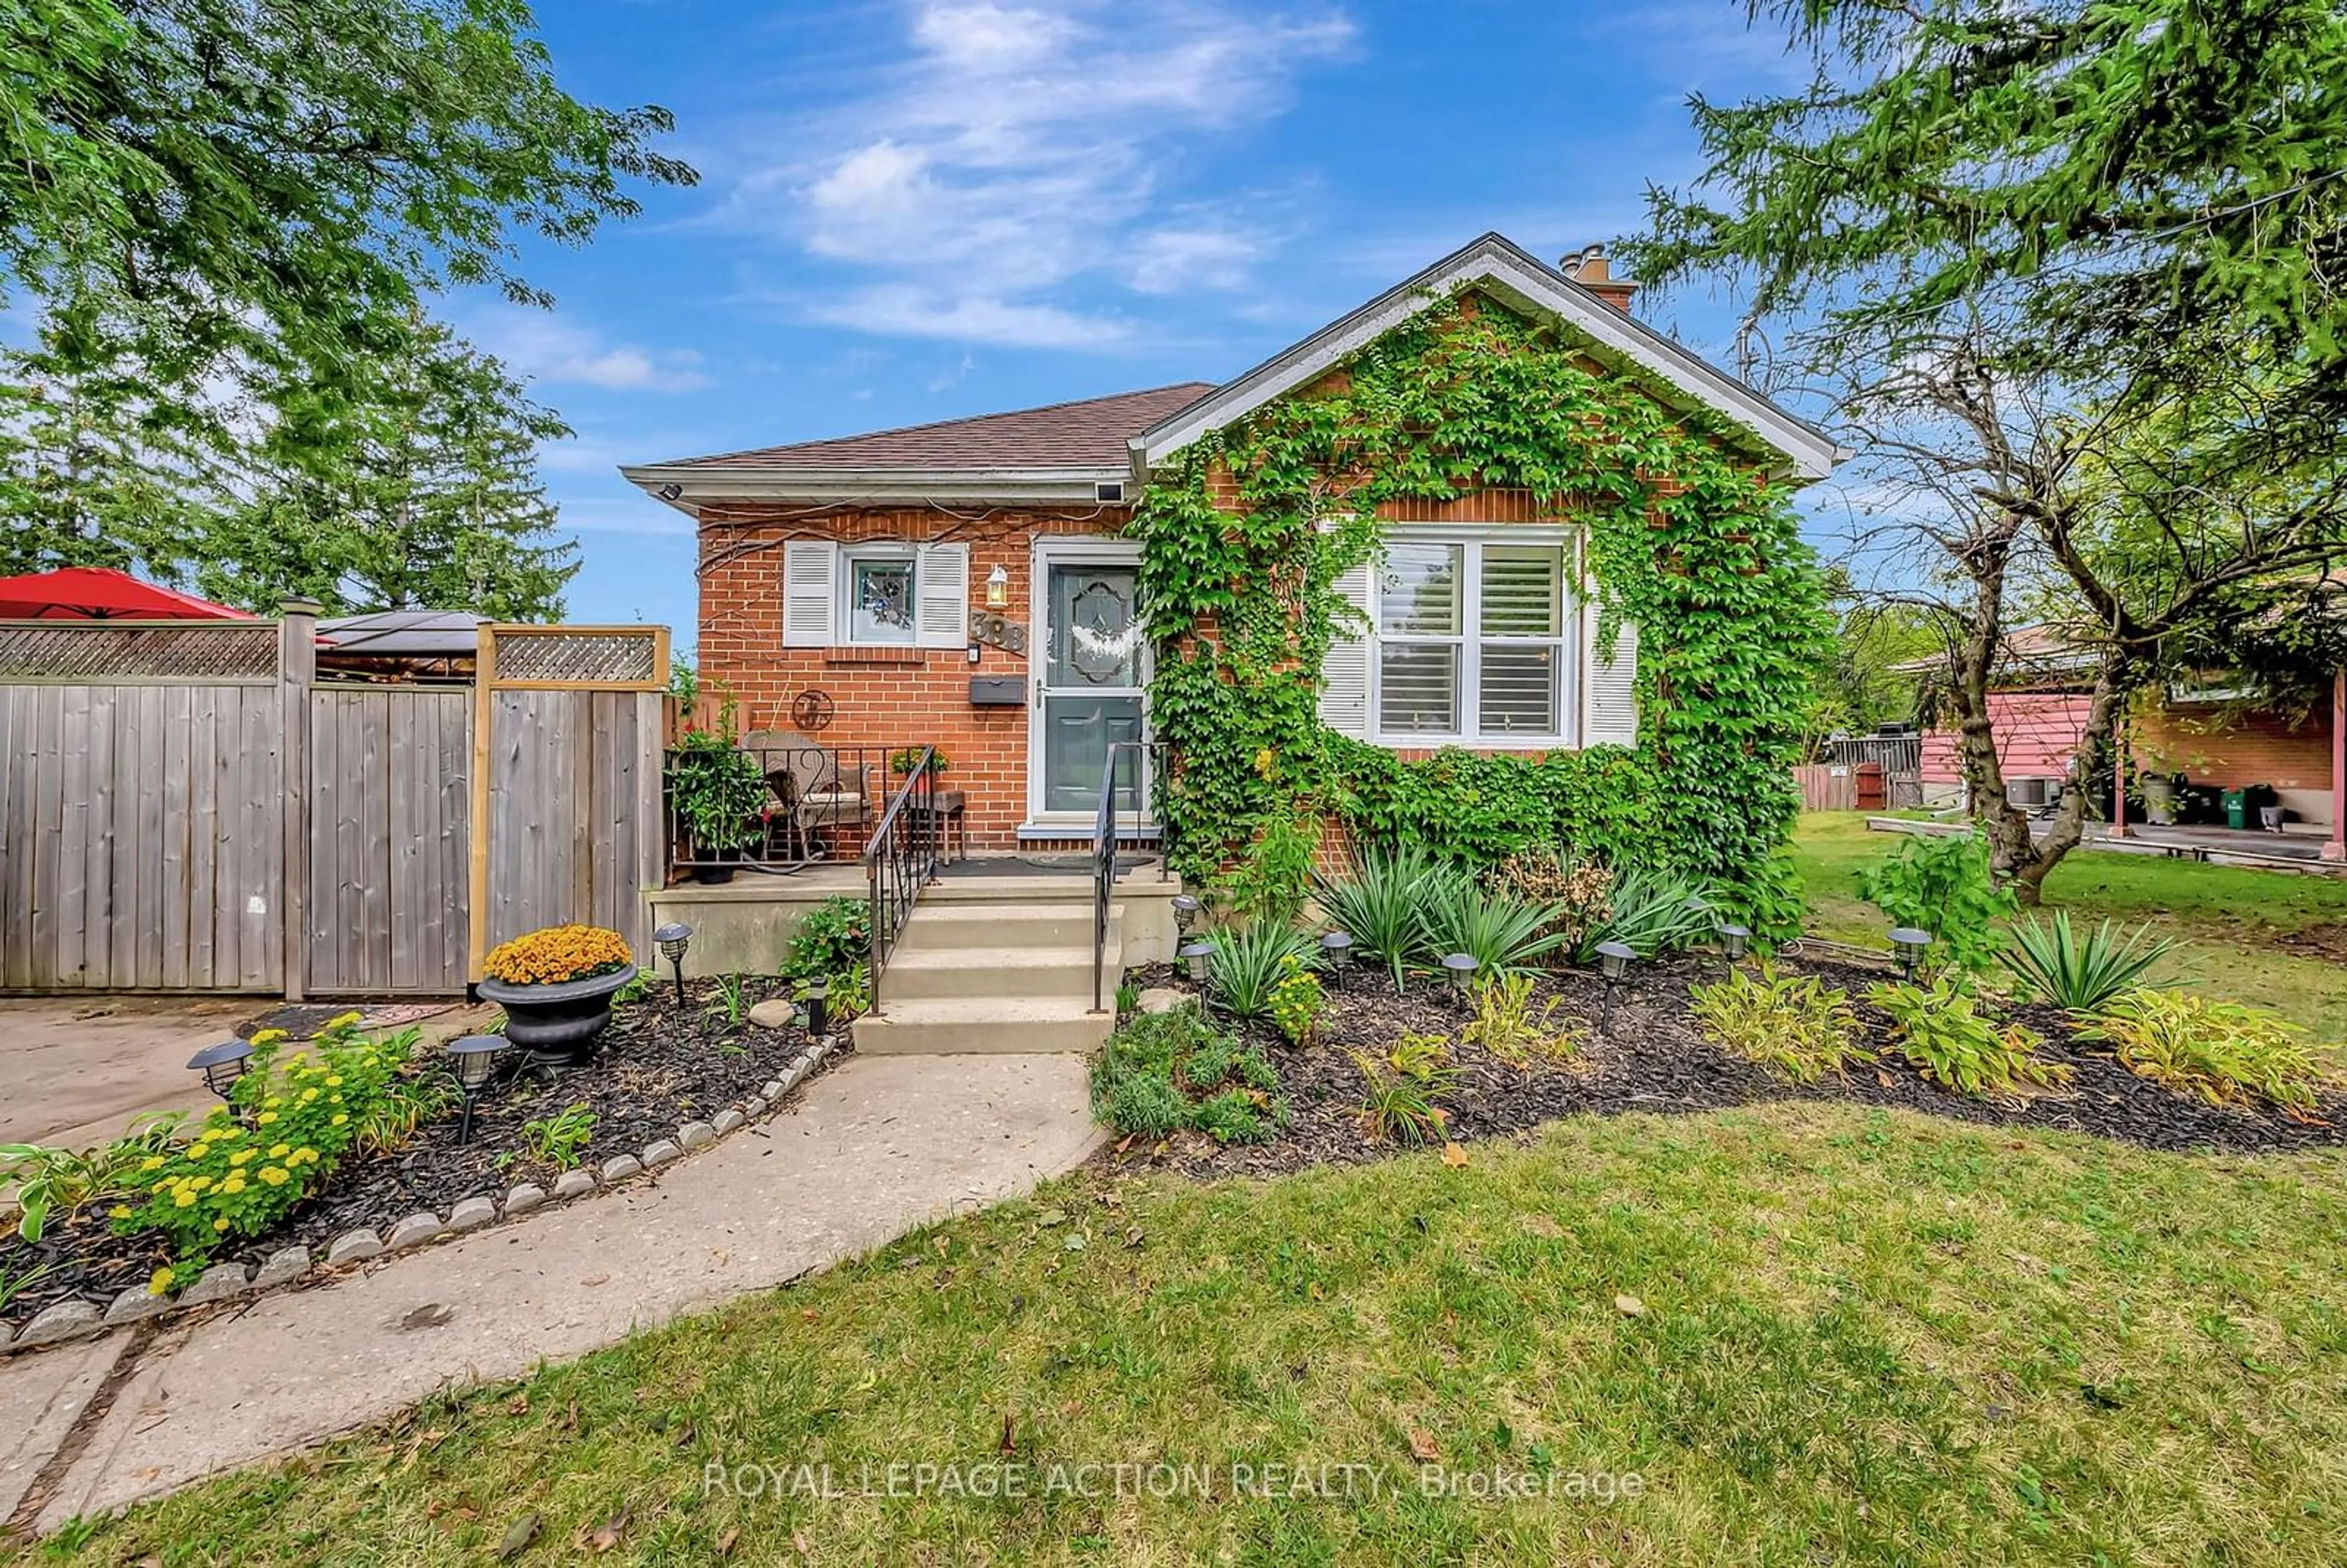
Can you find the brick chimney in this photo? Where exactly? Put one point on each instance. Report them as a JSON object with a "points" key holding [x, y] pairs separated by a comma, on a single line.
{"points": [[1589, 267]]}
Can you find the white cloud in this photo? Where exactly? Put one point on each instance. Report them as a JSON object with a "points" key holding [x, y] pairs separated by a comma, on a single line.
{"points": [[1009, 162], [560, 352]]}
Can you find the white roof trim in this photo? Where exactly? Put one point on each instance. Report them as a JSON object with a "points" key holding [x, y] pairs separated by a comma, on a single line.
{"points": [[1529, 284], [698, 485]]}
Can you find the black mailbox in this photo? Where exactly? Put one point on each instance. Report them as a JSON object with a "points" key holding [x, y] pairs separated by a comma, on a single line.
{"points": [[997, 691]]}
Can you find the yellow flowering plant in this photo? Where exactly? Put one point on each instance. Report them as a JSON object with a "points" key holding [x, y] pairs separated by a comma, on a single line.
{"points": [[286, 1126], [556, 954]]}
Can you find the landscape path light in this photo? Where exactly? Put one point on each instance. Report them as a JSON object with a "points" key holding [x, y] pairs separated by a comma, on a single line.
{"points": [[474, 1059], [1909, 943], [674, 938], [223, 1065], [1195, 954], [1614, 961]]}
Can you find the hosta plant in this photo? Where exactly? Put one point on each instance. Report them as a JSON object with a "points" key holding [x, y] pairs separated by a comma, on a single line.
{"points": [[53, 1182], [1510, 1024], [1796, 1026], [1941, 1031], [2220, 1050], [2081, 970]]}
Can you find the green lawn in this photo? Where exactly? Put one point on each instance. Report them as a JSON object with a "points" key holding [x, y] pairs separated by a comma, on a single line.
{"points": [[2228, 917], [1865, 1338]]}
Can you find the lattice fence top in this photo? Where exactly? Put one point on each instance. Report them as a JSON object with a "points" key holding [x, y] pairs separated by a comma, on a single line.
{"points": [[576, 656], [99, 651]]}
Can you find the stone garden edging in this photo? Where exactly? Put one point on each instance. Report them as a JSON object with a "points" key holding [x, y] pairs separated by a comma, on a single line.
{"points": [[62, 1322]]}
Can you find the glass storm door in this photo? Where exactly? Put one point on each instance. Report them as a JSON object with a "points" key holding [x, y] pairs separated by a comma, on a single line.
{"points": [[1089, 685]]}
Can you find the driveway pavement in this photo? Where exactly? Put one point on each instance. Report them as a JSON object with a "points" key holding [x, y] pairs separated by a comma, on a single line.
{"points": [[74, 1070]]}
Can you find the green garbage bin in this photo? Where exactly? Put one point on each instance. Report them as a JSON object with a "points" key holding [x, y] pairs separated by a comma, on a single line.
{"points": [[2237, 808]]}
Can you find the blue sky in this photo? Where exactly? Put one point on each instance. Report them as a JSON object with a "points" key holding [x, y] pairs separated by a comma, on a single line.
{"points": [[918, 210]]}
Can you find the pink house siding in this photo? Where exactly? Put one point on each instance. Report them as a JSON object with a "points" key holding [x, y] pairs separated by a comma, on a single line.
{"points": [[2035, 734]]}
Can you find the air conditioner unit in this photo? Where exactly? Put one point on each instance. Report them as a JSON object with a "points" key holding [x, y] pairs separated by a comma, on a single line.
{"points": [[2029, 794]]}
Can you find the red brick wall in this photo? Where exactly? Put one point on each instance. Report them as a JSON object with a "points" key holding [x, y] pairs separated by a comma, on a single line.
{"points": [[890, 697], [2247, 749]]}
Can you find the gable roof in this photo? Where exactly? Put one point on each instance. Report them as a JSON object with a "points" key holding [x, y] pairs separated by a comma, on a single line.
{"points": [[1089, 433], [1085, 452], [1525, 282]]}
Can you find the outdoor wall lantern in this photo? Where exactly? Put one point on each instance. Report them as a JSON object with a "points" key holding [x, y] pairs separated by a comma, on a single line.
{"points": [[998, 588], [1333, 946], [1195, 954], [1734, 940], [1614, 961], [474, 1059], [1460, 967], [674, 938], [1185, 913], [818, 1007], [1909, 943], [223, 1064]]}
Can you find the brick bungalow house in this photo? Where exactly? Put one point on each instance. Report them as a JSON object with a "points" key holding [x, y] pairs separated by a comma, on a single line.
{"points": [[968, 582]]}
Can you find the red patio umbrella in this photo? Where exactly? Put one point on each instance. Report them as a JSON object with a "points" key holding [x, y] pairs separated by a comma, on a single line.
{"points": [[102, 593]]}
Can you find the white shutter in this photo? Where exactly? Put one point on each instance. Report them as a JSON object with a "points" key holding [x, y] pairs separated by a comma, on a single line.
{"points": [[1611, 688], [1345, 672], [941, 616], [810, 593]]}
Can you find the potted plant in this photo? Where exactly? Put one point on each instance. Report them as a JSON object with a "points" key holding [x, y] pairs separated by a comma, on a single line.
{"points": [[902, 762], [718, 793], [556, 985]]}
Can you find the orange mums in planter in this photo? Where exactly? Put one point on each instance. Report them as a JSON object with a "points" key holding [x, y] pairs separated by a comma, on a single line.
{"points": [[559, 953]]}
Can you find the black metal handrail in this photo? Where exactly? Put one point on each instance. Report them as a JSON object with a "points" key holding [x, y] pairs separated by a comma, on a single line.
{"points": [[1104, 844], [901, 859]]}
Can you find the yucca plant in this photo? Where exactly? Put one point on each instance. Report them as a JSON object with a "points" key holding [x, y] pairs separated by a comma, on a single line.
{"points": [[1504, 934], [2082, 971], [1382, 905], [1247, 964], [1652, 912]]}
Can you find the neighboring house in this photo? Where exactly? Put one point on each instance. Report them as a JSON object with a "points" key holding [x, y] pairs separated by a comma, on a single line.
{"points": [[2038, 714], [866, 569]]}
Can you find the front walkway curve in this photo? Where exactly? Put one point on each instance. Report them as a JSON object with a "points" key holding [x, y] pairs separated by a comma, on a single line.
{"points": [[876, 1147]]}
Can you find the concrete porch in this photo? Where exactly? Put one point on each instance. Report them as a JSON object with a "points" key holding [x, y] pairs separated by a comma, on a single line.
{"points": [[997, 955]]}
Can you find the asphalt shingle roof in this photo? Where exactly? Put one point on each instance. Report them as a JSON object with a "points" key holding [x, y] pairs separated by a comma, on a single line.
{"points": [[1088, 433]]}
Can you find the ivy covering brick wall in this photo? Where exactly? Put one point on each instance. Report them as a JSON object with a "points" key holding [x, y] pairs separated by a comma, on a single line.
{"points": [[1247, 532]]}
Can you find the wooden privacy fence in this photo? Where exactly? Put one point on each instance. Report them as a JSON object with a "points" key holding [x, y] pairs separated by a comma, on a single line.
{"points": [[186, 807], [1828, 786]]}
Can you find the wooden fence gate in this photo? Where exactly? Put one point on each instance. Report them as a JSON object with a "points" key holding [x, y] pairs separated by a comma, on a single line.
{"points": [[185, 806]]}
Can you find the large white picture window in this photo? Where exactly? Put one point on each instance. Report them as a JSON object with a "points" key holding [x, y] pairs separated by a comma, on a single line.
{"points": [[1472, 639]]}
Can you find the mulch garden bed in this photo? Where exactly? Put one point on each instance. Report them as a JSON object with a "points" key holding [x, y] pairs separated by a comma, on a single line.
{"points": [[1656, 1061], [659, 1066]]}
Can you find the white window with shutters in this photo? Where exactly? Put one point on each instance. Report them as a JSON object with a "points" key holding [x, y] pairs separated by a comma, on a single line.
{"points": [[876, 595], [1474, 637]]}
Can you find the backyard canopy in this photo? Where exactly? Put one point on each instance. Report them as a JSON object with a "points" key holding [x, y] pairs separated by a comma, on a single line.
{"points": [[102, 593]]}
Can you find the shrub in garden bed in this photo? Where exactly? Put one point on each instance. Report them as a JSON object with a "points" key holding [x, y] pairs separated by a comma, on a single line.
{"points": [[2067, 967], [2221, 1051], [1174, 1071], [1941, 1031], [1796, 1026]]}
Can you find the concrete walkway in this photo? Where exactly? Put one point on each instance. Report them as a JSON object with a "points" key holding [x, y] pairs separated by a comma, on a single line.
{"points": [[874, 1148]]}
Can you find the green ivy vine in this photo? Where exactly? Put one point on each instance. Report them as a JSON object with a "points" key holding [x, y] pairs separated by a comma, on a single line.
{"points": [[1245, 533]]}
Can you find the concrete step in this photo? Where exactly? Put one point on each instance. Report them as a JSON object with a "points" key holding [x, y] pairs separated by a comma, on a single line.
{"points": [[940, 972], [969, 1025], [946, 926], [1009, 890]]}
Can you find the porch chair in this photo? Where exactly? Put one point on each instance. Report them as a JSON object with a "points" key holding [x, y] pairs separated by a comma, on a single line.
{"points": [[816, 790]]}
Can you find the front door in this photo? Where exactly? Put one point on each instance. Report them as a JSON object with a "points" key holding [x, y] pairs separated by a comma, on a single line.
{"points": [[1090, 671]]}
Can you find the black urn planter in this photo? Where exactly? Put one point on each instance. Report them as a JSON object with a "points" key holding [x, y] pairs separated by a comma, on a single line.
{"points": [[558, 1022]]}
